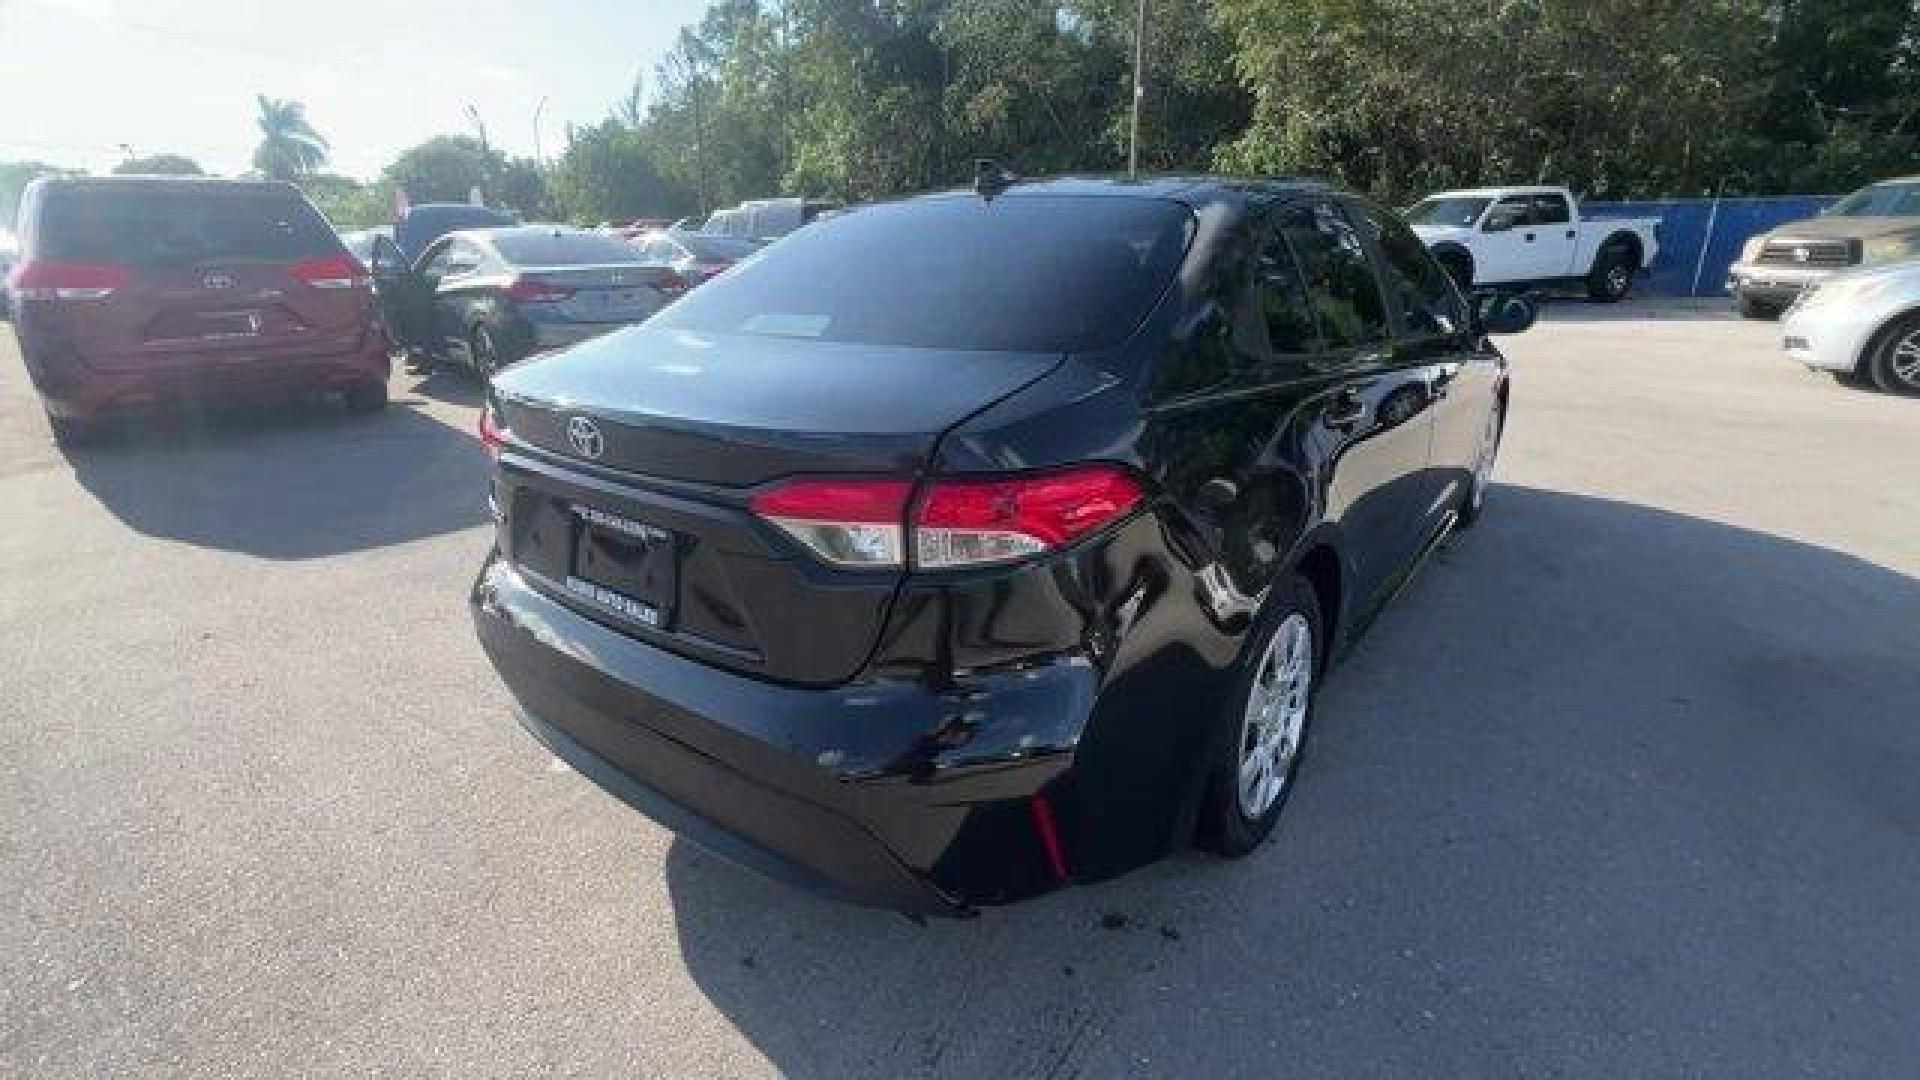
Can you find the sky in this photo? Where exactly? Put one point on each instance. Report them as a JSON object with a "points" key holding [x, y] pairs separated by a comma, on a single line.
{"points": [[79, 78]]}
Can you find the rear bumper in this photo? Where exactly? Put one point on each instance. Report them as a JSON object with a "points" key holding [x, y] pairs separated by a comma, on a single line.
{"points": [[71, 387], [881, 793]]}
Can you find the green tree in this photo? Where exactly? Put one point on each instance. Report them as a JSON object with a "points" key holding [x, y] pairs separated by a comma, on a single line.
{"points": [[346, 202], [449, 168], [159, 165], [289, 145], [14, 178], [1403, 96], [607, 174]]}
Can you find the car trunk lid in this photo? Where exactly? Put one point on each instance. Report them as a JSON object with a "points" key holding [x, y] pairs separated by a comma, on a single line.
{"points": [[644, 449], [610, 293]]}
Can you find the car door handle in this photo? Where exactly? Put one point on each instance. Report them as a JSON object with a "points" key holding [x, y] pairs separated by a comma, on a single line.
{"points": [[1529, 238], [1571, 234]]}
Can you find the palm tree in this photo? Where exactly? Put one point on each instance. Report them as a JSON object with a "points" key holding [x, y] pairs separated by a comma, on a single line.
{"points": [[289, 147]]}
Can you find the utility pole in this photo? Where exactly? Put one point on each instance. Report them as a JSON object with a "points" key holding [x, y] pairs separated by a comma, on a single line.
{"points": [[1139, 90], [539, 159]]}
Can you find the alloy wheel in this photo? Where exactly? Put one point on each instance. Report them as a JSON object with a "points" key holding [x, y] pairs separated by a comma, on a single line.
{"points": [[1276, 716], [1906, 360], [1619, 278]]}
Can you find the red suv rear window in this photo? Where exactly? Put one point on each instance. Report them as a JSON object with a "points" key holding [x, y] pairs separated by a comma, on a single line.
{"points": [[170, 228]]}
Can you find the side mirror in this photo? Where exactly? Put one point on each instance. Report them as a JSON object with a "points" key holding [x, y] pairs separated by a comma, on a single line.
{"points": [[1504, 312], [1499, 222]]}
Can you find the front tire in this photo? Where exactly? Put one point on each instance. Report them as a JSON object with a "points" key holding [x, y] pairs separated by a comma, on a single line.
{"points": [[1266, 724], [1611, 278], [1895, 363]]}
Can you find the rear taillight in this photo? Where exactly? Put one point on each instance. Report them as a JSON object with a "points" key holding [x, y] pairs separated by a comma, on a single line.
{"points": [[672, 283], [966, 521], [850, 522], [40, 279], [332, 272], [533, 290]]}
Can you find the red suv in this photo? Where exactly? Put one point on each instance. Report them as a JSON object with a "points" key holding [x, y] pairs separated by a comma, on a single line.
{"points": [[139, 290]]}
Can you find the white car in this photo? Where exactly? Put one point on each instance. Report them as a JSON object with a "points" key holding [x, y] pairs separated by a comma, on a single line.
{"points": [[1533, 237], [1863, 326]]}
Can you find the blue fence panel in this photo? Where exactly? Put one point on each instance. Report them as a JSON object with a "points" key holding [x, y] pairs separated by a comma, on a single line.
{"points": [[1689, 226]]}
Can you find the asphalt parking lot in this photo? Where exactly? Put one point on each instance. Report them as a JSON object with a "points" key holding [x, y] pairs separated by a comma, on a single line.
{"points": [[1628, 783]]}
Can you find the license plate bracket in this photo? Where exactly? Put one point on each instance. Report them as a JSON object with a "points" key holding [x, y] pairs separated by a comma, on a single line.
{"points": [[627, 566]]}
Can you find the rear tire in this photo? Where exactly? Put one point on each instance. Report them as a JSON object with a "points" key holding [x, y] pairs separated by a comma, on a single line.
{"points": [[365, 399], [1757, 309], [1611, 278], [1895, 363], [1265, 724]]}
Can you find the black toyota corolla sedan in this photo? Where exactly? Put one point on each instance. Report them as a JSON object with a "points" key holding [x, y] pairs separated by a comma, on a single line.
{"points": [[965, 546]]}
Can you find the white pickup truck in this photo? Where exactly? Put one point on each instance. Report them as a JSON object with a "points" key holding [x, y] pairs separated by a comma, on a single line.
{"points": [[1533, 236]]}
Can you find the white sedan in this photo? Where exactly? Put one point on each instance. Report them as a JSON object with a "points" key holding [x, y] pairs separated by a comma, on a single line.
{"points": [[1862, 326]]}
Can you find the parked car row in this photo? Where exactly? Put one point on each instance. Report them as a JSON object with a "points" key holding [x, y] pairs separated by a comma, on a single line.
{"points": [[1847, 280]]}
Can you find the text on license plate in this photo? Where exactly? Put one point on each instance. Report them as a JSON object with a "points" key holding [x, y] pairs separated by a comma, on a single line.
{"points": [[644, 614]]}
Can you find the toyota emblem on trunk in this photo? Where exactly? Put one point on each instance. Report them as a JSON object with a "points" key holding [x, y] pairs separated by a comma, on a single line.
{"points": [[585, 436]]}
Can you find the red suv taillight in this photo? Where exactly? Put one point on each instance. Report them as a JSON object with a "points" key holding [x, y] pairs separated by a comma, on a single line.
{"points": [[332, 272], [533, 290], [957, 522], [41, 279]]}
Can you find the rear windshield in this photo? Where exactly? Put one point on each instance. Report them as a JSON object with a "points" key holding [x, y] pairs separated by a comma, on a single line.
{"points": [[563, 249], [1022, 273], [181, 227]]}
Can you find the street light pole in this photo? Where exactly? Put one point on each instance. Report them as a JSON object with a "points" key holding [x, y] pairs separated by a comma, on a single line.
{"points": [[539, 159], [1139, 90]]}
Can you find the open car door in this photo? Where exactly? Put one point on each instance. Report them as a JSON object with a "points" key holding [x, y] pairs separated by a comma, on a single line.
{"points": [[405, 299]]}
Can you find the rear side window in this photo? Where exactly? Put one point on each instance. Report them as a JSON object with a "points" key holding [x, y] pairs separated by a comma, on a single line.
{"points": [[563, 249], [1429, 304], [1339, 281], [1020, 273], [181, 227], [1281, 292]]}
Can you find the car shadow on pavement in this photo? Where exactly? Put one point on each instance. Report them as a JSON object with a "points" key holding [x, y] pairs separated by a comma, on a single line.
{"points": [[1612, 791], [1564, 308], [442, 382], [294, 480]]}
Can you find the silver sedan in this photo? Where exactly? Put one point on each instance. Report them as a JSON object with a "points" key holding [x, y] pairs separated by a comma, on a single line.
{"points": [[1863, 326]]}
